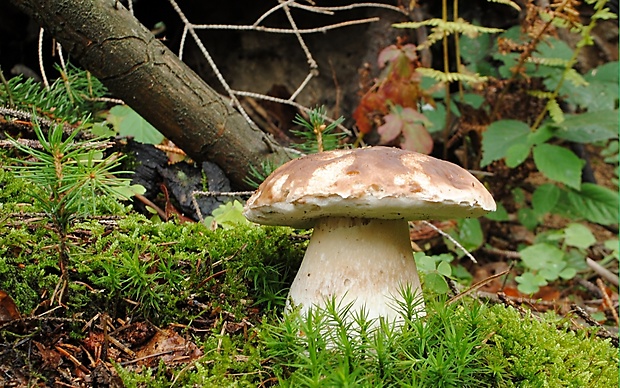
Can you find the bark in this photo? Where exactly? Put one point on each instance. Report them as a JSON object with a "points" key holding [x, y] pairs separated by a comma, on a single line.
{"points": [[136, 67]]}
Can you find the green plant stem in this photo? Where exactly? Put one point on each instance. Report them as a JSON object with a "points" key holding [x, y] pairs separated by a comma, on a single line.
{"points": [[446, 69], [8, 89], [457, 48], [585, 32]]}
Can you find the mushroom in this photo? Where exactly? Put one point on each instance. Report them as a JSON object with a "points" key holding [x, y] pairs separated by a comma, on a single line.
{"points": [[359, 202]]}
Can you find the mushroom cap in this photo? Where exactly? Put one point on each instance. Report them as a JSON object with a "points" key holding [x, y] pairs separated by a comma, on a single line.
{"points": [[373, 182]]}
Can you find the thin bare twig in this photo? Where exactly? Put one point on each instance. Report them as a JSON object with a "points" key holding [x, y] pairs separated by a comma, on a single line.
{"points": [[602, 331], [282, 30], [477, 286], [191, 29], [40, 53], [446, 235], [602, 271], [607, 300]]}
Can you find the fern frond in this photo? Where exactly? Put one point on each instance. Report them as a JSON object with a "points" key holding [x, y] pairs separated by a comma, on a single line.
{"points": [[551, 62], [575, 78], [540, 94], [556, 113], [442, 28], [440, 76], [506, 2], [460, 26]]}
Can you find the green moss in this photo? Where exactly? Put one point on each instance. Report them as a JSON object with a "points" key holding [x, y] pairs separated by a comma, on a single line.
{"points": [[545, 352], [151, 270]]}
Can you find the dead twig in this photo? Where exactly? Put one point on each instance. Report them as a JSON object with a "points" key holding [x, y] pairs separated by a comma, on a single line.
{"points": [[602, 331], [607, 300], [477, 286], [602, 271]]}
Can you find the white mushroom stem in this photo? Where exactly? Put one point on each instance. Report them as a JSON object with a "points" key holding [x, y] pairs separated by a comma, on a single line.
{"points": [[361, 261]]}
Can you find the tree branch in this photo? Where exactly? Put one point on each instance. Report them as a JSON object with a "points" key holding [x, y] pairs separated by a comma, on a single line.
{"points": [[136, 67]]}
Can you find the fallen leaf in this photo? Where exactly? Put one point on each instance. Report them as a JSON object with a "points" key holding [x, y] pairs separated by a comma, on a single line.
{"points": [[8, 309]]}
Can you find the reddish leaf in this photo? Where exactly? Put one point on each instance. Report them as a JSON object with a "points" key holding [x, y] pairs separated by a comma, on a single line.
{"points": [[416, 138], [391, 54], [409, 124], [391, 129]]}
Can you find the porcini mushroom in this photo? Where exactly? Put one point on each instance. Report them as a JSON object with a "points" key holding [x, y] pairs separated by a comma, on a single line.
{"points": [[359, 202]]}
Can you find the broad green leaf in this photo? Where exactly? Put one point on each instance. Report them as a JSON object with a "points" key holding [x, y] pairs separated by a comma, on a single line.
{"points": [[579, 236], [499, 215], [129, 123], [469, 235], [589, 127], [528, 218], [539, 256], [607, 73], [518, 195], [102, 130], [471, 99], [444, 268], [552, 270], [425, 264], [593, 202], [499, 137], [568, 273], [530, 283], [542, 134], [516, 154], [553, 48], [230, 215], [436, 282], [559, 164], [436, 116], [474, 50], [545, 198], [600, 94]]}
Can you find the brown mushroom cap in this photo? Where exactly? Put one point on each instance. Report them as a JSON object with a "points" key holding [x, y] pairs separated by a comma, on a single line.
{"points": [[374, 182]]}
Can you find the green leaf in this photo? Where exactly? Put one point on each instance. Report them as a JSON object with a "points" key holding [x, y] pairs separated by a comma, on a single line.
{"points": [[530, 283], [518, 195], [425, 264], [129, 123], [545, 198], [589, 127], [528, 218], [101, 130], [593, 202], [500, 214], [552, 48], [471, 99], [499, 137], [553, 269], [436, 283], [568, 273], [559, 164], [538, 256], [541, 135], [444, 268], [516, 154], [436, 116], [469, 235], [579, 236], [230, 214]]}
